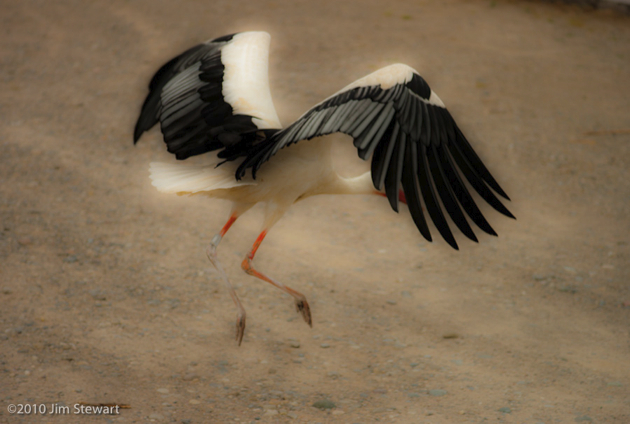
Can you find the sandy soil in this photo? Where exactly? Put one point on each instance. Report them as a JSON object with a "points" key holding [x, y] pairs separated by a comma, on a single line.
{"points": [[107, 296]]}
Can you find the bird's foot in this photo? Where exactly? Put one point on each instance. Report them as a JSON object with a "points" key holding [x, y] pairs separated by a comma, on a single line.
{"points": [[240, 326], [301, 305]]}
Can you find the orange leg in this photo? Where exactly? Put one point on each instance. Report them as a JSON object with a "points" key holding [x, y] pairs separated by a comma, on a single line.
{"points": [[301, 304], [227, 225], [211, 251]]}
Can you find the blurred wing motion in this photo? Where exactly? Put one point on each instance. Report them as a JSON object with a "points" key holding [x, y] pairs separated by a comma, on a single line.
{"points": [[394, 117], [213, 96], [216, 96]]}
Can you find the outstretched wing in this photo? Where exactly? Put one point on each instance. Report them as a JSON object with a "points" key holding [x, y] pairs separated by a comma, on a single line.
{"points": [[213, 96], [395, 117]]}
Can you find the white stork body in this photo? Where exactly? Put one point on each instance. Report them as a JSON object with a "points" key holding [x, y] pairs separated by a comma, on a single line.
{"points": [[216, 97], [304, 170]]}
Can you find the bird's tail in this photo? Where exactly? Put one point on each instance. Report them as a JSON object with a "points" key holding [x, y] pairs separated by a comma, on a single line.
{"points": [[190, 179]]}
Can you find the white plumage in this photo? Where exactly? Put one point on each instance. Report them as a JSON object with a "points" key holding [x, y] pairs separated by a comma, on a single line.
{"points": [[246, 80], [191, 179], [214, 100]]}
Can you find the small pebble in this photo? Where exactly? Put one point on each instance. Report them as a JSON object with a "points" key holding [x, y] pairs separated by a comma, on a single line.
{"points": [[437, 392], [190, 376], [324, 345], [97, 294], [450, 335], [505, 410], [583, 418], [391, 302], [70, 259], [163, 391], [25, 241], [294, 344], [568, 289], [324, 404]]}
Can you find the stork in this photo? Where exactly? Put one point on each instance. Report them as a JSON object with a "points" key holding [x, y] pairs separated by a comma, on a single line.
{"points": [[214, 100]]}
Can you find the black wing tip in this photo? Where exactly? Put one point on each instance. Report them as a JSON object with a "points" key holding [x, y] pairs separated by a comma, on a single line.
{"points": [[450, 240], [392, 199], [224, 38], [498, 190], [141, 126], [137, 134]]}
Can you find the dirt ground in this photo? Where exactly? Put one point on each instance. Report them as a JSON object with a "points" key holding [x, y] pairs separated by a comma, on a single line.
{"points": [[106, 294]]}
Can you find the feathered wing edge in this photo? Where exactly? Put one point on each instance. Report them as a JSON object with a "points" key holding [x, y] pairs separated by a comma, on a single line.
{"points": [[415, 144], [183, 178]]}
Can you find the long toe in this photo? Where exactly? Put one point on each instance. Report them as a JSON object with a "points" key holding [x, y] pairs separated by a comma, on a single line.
{"points": [[240, 328], [301, 305]]}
